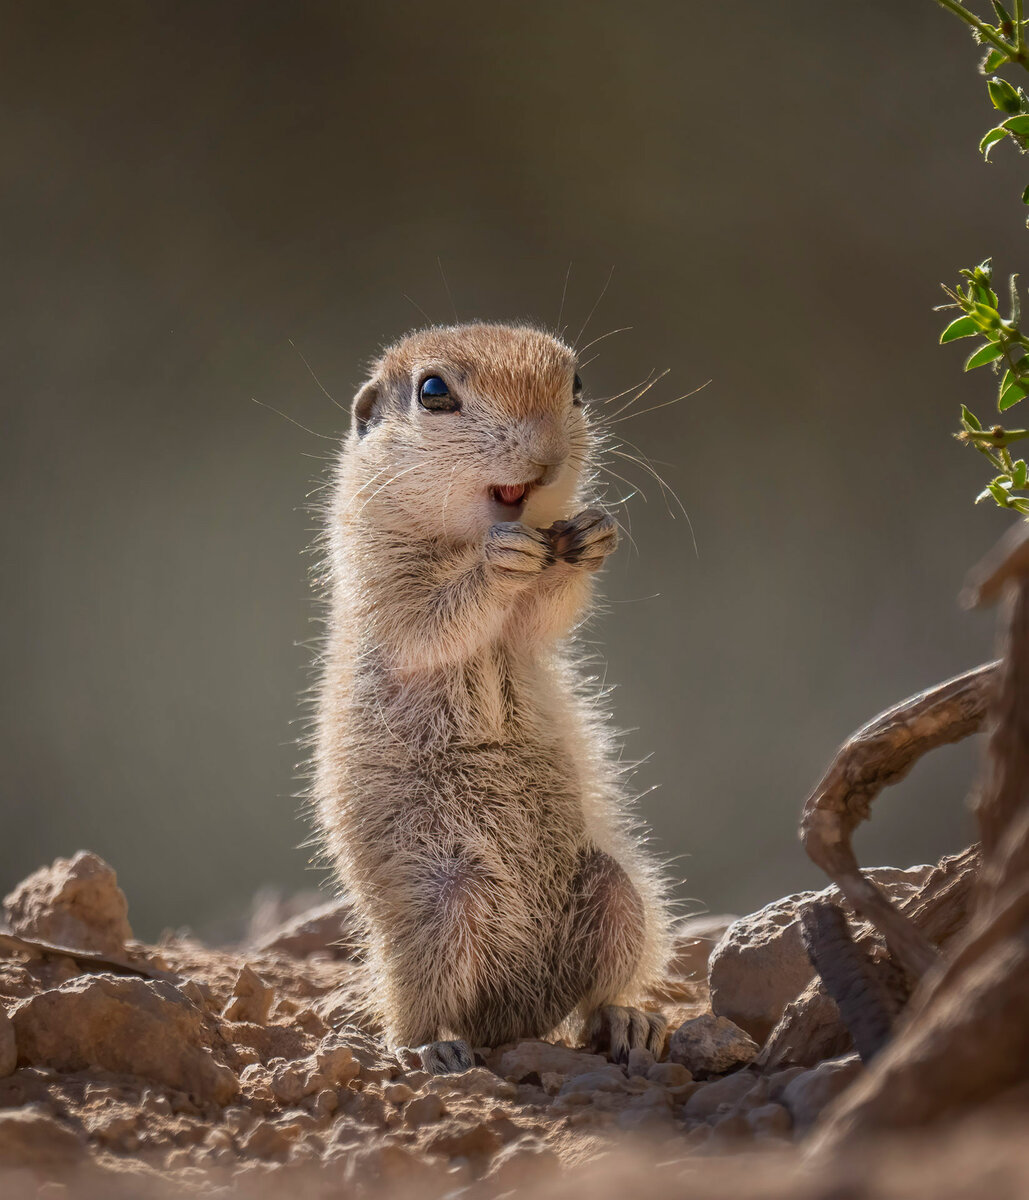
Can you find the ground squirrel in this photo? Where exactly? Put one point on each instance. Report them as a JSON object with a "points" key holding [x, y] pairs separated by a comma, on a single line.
{"points": [[466, 788]]}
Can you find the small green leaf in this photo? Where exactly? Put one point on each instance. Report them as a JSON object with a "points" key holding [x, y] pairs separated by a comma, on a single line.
{"points": [[1025, 196], [1002, 13], [969, 419], [1011, 391], [1003, 95], [1018, 475], [1019, 125], [993, 60], [985, 354], [999, 494], [961, 328], [990, 140]]}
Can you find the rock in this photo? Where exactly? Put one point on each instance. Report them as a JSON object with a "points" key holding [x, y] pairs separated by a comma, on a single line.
{"points": [[477, 1081], [770, 1120], [652, 1107], [807, 1094], [75, 902], [710, 1045], [334, 1060], [332, 1065], [331, 929], [693, 940], [725, 1094], [30, 1138], [640, 1061], [730, 1128], [423, 1110], [267, 1140], [517, 1166], [477, 1140], [134, 1026], [669, 1074], [251, 998], [287, 1084], [378, 1169], [595, 1081], [539, 1057], [8, 1045], [760, 964]]}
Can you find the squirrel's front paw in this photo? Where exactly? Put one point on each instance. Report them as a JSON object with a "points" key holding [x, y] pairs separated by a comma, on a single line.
{"points": [[516, 550], [586, 540]]}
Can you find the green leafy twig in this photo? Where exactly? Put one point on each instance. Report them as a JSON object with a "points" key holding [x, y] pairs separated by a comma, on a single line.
{"points": [[1005, 349], [1007, 38], [1007, 42]]}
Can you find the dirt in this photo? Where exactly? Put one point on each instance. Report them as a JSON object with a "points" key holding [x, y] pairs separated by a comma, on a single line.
{"points": [[247, 1072]]}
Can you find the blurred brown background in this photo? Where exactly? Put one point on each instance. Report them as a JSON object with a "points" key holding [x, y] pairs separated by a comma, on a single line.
{"points": [[188, 186]]}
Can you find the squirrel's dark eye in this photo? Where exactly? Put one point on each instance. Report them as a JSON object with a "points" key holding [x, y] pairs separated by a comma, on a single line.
{"points": [[435, 396], [576, 390]]}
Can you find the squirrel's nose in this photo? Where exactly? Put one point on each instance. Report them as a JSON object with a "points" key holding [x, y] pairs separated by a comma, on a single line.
{"points": [[546, 447]]}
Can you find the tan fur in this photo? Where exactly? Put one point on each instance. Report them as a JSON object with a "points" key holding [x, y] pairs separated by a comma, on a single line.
{"points": [[466, 787]]}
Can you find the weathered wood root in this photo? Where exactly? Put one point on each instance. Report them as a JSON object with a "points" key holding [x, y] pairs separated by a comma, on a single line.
{"points": [[880, 754], [811, 1029], [964, 1038], [856, 982]]}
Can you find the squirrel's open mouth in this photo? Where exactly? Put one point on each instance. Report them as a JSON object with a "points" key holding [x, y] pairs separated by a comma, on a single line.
{"points": [[511, 495]]}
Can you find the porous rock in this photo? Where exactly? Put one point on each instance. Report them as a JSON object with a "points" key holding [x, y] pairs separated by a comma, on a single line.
{"points": [[31, 1138], [543, 1057], [134, 1026], [75, 902], [251, 998], [711, 1045], [770, 1120], [610, 1079], [331, 929], [810, 1092], [720, 1095], [760, 964]]}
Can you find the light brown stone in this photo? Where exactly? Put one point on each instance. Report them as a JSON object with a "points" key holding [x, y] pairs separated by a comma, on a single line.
{"points": [[331, 929], [251, 998], [539, 1057], [75, 902], [135, 1026], [711, 1045], [810, 1092]]}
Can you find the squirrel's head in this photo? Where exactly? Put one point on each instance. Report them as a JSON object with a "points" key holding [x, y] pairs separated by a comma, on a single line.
{"points": [[462, 426]]}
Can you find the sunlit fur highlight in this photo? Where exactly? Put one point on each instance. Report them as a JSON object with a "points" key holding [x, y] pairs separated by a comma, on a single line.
{"points": [[466, 786]]}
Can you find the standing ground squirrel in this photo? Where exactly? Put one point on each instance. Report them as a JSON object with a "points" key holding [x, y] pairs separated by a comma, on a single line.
{"points": [[466, 787]]}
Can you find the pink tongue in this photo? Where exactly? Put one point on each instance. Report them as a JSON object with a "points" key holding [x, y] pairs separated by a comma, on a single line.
{"points": [[511, 495]]}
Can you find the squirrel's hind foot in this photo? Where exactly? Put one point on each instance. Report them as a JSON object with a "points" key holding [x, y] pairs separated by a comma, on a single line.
{"points": [[445, 1058], [615, 1030]]}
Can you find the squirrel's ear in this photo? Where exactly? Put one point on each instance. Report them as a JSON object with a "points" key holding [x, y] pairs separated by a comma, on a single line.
{"points": [[367, 408]]}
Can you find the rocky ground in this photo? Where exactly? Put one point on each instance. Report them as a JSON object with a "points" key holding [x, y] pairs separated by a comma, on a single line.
{"points": [[131, 1070]]}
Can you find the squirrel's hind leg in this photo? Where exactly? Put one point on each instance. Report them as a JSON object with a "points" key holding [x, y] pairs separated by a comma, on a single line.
{"points": [[605, 943]]}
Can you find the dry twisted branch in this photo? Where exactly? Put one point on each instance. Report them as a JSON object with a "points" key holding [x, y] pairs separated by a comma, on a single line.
{"points": [[880, 754]]}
